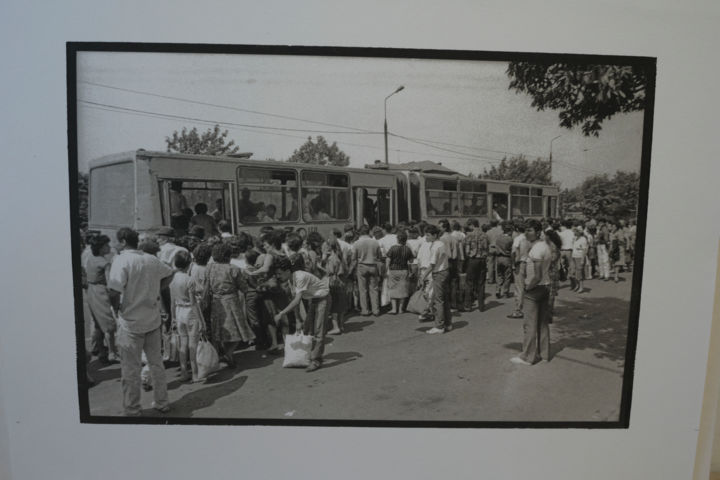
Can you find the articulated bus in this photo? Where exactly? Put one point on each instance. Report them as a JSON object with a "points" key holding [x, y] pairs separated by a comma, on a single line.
{"points": [[137, 188]]}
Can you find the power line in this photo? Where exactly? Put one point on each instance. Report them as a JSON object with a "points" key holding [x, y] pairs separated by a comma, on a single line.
{"points": [[227, 107], [286, 117], [469, 155], [235, 126], [210, 122]]}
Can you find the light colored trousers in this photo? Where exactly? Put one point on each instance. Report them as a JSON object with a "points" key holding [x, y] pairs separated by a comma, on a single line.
{"points": [[603, 261], [131, 346]]}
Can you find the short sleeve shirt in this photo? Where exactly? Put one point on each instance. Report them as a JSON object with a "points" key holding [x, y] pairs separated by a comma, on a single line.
{"points": [[580, 247], [539, 256], [137, 275], [439, 256], [310, 286]]}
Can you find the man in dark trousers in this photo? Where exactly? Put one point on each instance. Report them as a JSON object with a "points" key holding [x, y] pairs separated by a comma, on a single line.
{"points": [[476, 253]]}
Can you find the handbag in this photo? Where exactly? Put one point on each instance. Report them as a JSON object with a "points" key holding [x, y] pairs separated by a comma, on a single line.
{"points": [[418, 302], [297, 350], [207, 358]]}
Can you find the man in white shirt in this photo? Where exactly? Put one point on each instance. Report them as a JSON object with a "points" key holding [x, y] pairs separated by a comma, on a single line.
{"points": [[568, 237], [306, 286], [388, 239], [134, 285], [168, 249], [577, 269], [536, 328], [439, 268], [518, 257]]}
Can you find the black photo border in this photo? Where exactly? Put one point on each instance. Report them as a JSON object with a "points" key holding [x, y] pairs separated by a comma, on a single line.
{"points": [[648, 64]]}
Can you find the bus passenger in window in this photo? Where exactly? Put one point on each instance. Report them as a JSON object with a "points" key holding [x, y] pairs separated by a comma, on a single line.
{"points": [[218, 214], [323, 215], [246, 208], [369, 210], [204, 220], [270, 212], [293, 213], [446, 208], [178, 203]]}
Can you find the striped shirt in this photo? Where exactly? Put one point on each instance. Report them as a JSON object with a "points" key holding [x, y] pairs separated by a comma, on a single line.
{"points": [[399, 256]]}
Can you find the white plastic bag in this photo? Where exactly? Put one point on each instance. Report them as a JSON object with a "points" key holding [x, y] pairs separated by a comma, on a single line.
{"points": [[297, 350], [207, 358]]}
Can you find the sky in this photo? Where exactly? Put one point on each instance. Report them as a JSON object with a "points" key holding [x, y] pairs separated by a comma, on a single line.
{"points": [[458, 113]]}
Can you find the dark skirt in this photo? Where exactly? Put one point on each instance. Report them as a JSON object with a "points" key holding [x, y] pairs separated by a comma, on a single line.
{"points": [[339, 295], [398, 284]]}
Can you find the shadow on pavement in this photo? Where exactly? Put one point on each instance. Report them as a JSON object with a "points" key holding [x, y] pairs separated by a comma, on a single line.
{"points": [[351, 327], [491, 304], [202, 398], [596, 323], [338, 358], [103, 373], [599, 324]]}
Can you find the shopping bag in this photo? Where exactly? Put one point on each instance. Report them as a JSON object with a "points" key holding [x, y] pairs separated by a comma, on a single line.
{"points": [[297, 350], [418, 302], [207, 358], [171, 345]]}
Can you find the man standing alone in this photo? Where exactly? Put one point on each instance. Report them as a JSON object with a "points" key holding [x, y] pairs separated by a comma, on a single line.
{"points": [[134, 285]]}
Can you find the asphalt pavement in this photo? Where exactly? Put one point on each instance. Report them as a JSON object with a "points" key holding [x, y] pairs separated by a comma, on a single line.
{"points": [[388, 368]]}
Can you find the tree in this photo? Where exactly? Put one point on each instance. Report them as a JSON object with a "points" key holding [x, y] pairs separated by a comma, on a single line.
{"points": [[519, 169], [603, 196], [83, 197], [585, 95], [320, 153], [212, 142]]}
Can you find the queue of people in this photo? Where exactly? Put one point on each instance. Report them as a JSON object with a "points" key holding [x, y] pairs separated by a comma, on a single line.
{"points": [[237, 290]]}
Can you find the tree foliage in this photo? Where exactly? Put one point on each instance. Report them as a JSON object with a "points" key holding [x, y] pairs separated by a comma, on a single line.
{"points": [[83, 197], [320, 153], [519, 169], [604, 196], [211, 142], [585, 95]]}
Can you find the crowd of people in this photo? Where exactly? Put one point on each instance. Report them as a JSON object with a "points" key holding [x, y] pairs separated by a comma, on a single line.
{"points": [[240, 290]]}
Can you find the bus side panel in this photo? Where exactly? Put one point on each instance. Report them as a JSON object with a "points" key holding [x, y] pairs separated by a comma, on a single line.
{"points": [[111, 197], [148, 214], [415, 209]]}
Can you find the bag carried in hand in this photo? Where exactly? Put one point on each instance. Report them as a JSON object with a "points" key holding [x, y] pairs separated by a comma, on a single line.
{"points": [[171, 346], [418, 302], [207, 358], [297, 350]]}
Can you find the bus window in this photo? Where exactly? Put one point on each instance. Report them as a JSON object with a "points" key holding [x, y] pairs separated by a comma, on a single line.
{"points": [[473, 198], [526, 201], [179, 199], [377, 208], [111, 195], [441, 197], [325, 196], [267, 195]]}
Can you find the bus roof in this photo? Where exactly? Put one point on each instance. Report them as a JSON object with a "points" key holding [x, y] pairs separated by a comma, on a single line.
{"points": [[236, 159]]}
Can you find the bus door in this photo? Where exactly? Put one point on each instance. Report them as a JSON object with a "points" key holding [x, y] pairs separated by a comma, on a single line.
{"points": [[373, 206], [499, 202], [179, 198]]}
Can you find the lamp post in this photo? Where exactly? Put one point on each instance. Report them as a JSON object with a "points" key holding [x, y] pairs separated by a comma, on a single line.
{"points": [[551, 142], [386, 130]]}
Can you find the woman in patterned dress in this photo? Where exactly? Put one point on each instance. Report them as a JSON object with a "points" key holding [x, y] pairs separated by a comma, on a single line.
{"points": [[554, 242], [336, 269], [223, 282], [398, 260]]}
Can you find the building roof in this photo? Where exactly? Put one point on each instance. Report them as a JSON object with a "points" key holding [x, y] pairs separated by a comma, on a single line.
{"points": [[424, 166]]}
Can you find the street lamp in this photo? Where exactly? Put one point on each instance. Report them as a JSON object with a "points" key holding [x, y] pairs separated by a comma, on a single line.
{"points": [[551, 142], [386, 99]]}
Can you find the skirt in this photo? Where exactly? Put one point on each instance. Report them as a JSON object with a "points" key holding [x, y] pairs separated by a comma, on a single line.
{"points": [[228, 320], [398, 284], [99, 304], [339, 296]]}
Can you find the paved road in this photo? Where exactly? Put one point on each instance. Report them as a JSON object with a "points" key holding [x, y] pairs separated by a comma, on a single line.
{"points": [[387, 368]]}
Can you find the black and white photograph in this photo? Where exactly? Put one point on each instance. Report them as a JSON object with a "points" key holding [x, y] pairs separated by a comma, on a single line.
{"points": [[357, 237]]}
